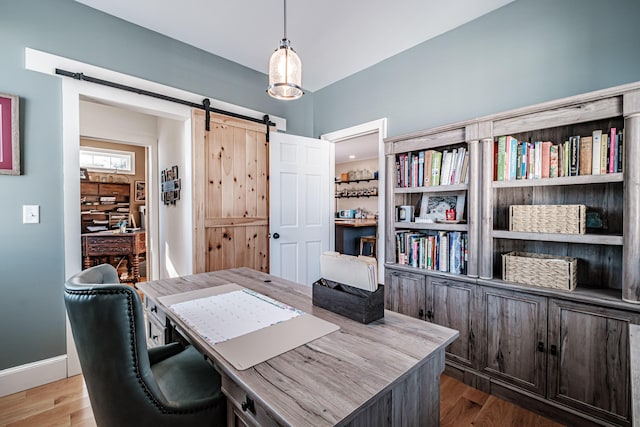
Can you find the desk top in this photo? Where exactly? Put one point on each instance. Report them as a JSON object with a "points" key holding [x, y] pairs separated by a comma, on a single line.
{"points": [[356, 222], [112, 233], [325, 381]]}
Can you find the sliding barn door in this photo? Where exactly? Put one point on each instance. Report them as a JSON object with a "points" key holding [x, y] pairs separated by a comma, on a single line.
{"points": [[231, 194]]}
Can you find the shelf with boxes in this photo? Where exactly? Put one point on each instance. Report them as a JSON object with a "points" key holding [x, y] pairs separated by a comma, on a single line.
{"points": [[555, 201]]}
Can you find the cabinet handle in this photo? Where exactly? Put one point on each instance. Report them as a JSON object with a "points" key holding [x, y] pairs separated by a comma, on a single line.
{"points": [[248, 405], [154, 309], [421, 314], [540, 346], [553, 350], [154, 337], [429, 315]]}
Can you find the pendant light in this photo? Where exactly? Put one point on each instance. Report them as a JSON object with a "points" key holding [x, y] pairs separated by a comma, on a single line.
{"points": [[285, 69]]}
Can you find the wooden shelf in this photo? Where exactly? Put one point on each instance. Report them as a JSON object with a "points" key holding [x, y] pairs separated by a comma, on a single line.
{"points": [[589, 239], [430, 226], [356, 197], [435, 189], [356, 180], [566, 180]]}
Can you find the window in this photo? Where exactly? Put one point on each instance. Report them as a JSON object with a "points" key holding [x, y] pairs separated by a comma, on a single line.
{"points": [[108, 161]]}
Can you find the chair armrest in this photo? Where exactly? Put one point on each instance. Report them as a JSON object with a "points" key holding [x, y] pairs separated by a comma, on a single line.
{"points": [[158, 354]]}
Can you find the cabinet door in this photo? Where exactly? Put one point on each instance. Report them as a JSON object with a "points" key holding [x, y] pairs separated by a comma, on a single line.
{"points": [[405, 293], [589, 358], [516, 329], [451, 304]]}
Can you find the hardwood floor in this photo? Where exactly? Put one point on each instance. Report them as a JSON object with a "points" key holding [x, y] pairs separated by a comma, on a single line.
{"points": [[66, 403]]}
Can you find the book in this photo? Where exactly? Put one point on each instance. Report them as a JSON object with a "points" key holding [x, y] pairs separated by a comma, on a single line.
{"points": [[545, 159], [537, 163], [443, 251], [574, 150], [586, 156], [531, 159], [420, 169], [553, 161], [436, 162], [464, 177], [613, 140], [512, 148], [523, 164], [561, 160], [597, 142], [518, 163], [604, 150], [495, 160], [427, 167], [567, 158], [502, 153], [619, 157], [445, 171]]}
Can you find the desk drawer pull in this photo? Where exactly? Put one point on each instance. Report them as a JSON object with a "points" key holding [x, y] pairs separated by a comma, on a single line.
{"points": [[248, 404]]}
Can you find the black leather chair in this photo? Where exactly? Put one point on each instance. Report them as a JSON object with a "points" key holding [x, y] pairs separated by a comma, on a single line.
{"points": [[129, 385]]}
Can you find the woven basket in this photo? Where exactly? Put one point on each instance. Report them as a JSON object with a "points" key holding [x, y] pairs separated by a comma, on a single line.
{"points": [[567, 219], [548, 271]]}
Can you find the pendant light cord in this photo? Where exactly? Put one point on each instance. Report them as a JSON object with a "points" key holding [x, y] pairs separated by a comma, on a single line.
{"points": [[285, 19]]}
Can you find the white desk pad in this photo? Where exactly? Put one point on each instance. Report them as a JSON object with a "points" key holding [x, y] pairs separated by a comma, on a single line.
{"points": [[244, 326]]}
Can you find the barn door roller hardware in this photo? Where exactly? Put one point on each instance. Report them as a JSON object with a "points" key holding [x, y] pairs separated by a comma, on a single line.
{"points": [[206, 103]]}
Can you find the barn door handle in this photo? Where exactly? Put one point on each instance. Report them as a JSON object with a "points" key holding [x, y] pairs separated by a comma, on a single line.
{"points": [[540, 346], [276, 236], [553, 350], [421, 313]]}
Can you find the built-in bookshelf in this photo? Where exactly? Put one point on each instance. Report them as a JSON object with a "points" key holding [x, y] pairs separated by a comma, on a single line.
{"points": [[429, 179]]}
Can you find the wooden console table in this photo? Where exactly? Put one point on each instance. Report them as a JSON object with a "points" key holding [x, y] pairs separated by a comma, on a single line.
{"points": [[107, 243], [386, 373]]}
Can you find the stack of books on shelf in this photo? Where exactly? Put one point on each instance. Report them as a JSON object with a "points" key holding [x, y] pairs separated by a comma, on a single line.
{"points": [[107, 200], [429, 168], [440, 251], [597, 154]]}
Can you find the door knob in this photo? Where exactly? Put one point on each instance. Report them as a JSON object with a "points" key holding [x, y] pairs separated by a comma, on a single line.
{"points": [[276, 236]]}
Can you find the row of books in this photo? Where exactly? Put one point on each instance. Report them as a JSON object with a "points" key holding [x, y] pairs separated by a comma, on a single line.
{"points": [[445, 251], [429, 168], [597, 154]]}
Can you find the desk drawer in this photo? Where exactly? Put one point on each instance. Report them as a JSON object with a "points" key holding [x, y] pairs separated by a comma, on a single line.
{"points": [[156, 332], [154, 311], [237, 397]]}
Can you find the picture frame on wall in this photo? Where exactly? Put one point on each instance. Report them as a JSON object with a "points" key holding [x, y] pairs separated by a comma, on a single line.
{"points": [[140, 191], [84, 174], [9, 135]]}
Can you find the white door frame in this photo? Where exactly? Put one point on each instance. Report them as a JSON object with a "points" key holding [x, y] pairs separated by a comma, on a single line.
{"points": [[376, 126]]}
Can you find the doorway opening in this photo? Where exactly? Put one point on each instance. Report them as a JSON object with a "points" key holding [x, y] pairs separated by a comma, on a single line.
{"points": [[113, 200], [358, 166]]}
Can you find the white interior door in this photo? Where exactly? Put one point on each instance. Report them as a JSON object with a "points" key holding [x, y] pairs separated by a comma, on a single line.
{"points": [[299, 211]]}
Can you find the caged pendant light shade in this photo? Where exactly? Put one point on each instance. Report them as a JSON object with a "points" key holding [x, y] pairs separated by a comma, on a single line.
{"points": [[285, 69]]}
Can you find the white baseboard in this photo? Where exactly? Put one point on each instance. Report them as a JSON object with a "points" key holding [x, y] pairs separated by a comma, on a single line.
{"points": [[31, 375]]}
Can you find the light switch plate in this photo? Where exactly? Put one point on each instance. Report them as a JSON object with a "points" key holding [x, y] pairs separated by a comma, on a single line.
{"points": [[30, 214]]}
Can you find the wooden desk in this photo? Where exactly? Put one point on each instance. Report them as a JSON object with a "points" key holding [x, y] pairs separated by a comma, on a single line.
{"points": [[106, 243], [386, 373]]}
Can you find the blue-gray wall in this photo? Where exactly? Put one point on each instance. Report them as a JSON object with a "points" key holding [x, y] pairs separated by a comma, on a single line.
{"points": [[527, 52], [32, 256], [524, 53]]}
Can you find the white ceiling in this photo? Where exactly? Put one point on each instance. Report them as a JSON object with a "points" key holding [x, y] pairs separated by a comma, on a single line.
{"points": [[334, 38]]}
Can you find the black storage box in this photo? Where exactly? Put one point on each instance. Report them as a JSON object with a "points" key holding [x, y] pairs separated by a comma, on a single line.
{"points": [[356, 304]]}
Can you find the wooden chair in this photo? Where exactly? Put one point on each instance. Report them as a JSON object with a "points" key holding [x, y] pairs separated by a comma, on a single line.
{"points": [[371, 240]]}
